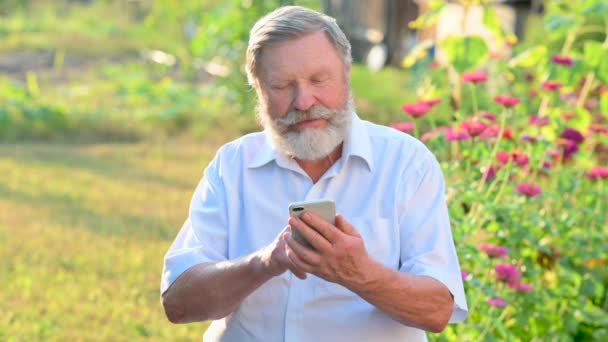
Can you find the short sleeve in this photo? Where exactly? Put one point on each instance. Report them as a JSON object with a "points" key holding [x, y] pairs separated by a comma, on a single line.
{"points": [[203, 237], [427, 246]]}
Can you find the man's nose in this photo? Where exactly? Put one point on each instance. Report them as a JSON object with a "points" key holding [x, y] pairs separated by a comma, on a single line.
{"points": [[304, 98]]}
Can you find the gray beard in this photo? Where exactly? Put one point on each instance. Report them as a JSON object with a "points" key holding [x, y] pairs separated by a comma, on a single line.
{"points": [[312, 143]]}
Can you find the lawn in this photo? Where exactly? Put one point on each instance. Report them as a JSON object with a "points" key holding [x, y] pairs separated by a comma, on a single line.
{"points": [[83, 231]]}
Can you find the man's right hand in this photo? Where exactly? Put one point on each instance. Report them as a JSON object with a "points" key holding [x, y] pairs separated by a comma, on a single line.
{"points": [[274, 257]]}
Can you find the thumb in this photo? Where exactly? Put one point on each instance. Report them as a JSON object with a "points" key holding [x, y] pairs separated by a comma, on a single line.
{"points": [[345, 226]]}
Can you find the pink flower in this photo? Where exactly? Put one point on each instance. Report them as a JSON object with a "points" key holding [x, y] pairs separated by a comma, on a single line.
{"points": [[529, 189], [521, 287], [434, 133], [551, 85], [404, 126], [464, 275], [474, 127], [456, 134], [474, 77], [547, 165], [507, 101], [598, 172], [416, 110], [507, 273], [573, 135], [503, 157], [562, 60], [520, 158], [539, 121], [490, 132], [598, 128], [497, 302], [493, 250], [432, 102], [568, 148]]}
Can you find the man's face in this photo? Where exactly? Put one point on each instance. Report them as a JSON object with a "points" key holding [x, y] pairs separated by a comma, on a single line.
{"points": [[304, 97]]}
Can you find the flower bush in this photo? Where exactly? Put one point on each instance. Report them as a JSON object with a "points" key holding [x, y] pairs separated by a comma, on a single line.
{"points": [[526, 159]]}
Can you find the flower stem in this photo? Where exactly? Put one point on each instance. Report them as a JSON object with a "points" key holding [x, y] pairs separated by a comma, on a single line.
{"points": [[474, 98], [586, 88]]}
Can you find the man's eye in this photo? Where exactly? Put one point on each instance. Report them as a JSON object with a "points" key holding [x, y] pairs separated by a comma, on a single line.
{"points": [[318, 80], [279, 86]]}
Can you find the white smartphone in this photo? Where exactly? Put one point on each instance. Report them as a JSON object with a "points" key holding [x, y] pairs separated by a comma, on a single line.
{"points": [[324, 208]]}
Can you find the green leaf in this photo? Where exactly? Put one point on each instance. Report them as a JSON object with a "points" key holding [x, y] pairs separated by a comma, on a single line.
{"points": [[595, 8], [530, 57], [602, 70], [420, 51], [560, 24], [492, 22], [594, 51], [429, 18], [465, 53]]}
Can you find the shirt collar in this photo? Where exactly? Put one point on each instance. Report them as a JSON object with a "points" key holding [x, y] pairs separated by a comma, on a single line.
{"points": [[357, 143]]}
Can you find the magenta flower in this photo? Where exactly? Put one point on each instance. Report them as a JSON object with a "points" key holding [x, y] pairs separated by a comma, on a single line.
{"points": [[507, 273], [598, 172], [490, 173], [573, 135], [562, 60], [464, 275], [546, 165], [528, 138], [406, 127], [490, 132], [497, 302], [539, 121], [433, 133], [568, 148], [432, 102], [529, 189], [416, 110], [494, 251], [551, 85], [456, 134], [474, 127], [506, 101], [474, 77], [488, 116]]}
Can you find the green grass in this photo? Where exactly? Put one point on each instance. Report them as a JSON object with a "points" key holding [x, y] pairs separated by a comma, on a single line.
{"points": [[83, 231]]}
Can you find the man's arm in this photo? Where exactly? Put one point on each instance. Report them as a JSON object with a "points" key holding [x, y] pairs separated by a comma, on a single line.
{"points": [[211, 291], [340, 257]]}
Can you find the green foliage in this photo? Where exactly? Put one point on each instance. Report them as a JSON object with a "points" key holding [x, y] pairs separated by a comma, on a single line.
{"points": [[465, 53]]}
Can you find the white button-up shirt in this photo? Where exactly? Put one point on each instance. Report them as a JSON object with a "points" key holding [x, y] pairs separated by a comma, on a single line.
{"points": [[387, 184]]}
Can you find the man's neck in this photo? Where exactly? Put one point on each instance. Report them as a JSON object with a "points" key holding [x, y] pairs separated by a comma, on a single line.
{"points": [[317, 168]]}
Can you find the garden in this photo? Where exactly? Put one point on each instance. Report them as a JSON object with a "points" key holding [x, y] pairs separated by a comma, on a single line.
{"points": [[110, 110]]}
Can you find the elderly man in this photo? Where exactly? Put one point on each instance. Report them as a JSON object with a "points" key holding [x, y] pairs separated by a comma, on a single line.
{"points": [[386, 271]]}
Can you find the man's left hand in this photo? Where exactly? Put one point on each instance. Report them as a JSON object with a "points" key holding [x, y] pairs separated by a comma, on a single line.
{"points": [[339, 256]]}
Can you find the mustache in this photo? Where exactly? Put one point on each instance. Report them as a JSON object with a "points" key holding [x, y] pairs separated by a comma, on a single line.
{"points": [[295, 116]]}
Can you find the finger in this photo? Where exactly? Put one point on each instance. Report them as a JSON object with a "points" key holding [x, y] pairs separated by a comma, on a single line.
{"points": [[307, 255], [326, 229], [299, 263], [345, 226], [310, 234]]}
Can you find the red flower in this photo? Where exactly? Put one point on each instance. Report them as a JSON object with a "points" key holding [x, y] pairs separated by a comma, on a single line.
{"points": [[552, 85], [598, 172], [568, 116], [432, 102], [456, 134], [404, 126], [497, 302], [562, 60], [507, 134], [416, 110], [546, 165], [474, 77], [529, 189], [537, 120], [493, 250], [474, 127], [506, 101], [573, 135]]}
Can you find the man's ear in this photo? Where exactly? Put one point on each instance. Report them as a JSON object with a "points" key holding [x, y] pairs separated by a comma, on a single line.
{"points": [[347, 69]]}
